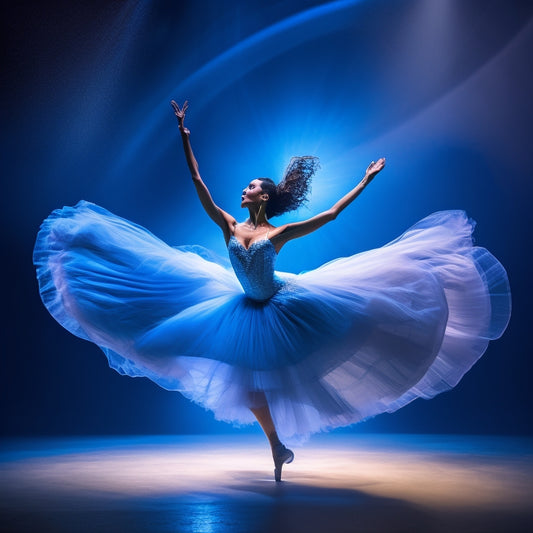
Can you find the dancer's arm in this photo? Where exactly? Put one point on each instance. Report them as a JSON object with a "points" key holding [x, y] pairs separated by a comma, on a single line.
{"points": [[219, 216], [299, 229]]}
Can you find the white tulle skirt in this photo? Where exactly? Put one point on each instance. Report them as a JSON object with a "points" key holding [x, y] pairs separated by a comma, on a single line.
{"points": [[356, 337]]}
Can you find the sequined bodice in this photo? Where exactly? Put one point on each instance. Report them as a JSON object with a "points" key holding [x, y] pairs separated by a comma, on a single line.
{"points": [[254, 267]]}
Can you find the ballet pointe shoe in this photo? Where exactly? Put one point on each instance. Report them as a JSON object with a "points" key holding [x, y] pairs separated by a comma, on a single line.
{"points": [[281, 455]]}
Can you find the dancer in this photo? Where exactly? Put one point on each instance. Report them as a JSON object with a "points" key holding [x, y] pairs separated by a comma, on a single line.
{"points": [[359, 336]]}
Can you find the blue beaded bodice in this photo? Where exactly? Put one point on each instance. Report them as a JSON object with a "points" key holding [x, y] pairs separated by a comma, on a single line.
{"points": [[254, 268]]}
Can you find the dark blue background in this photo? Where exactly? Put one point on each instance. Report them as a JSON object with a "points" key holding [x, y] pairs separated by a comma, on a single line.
{"points": [[441, 88]]}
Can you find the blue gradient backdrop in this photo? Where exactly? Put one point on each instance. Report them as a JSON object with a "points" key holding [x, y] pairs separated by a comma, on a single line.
{"points": [[442, 88]]}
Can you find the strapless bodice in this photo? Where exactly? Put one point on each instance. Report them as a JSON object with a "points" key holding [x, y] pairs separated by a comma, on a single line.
{"points": [[254, 268]]}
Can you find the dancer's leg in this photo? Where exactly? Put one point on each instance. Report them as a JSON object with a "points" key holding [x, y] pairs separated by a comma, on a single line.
{"points": [[280, 453], [262, 413]]}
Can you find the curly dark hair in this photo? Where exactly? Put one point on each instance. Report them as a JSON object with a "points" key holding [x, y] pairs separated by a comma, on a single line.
{"points": [[291, 192]]}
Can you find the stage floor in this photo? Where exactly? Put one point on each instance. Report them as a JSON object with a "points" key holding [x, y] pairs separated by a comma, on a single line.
{"points": [[338, 482]]}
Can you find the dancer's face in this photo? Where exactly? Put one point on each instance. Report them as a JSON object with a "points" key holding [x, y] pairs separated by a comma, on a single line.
{"points": [[253, 194]]}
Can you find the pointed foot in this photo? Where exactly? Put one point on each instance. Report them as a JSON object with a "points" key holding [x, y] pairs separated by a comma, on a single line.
{"points": [[282, 455]]}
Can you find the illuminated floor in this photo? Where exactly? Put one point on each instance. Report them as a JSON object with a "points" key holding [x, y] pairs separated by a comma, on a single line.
{"points": [[352, 483]]}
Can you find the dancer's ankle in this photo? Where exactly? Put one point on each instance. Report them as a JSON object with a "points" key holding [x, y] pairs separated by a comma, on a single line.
{"points": [[274, 440]]}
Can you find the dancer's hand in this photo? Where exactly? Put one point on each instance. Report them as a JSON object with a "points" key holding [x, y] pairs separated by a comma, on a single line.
{"points": [[180, 113], [373, 169]]}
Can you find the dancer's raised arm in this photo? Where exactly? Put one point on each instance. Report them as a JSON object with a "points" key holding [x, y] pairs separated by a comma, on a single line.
{"points": [[219, 216], [299, 229]]}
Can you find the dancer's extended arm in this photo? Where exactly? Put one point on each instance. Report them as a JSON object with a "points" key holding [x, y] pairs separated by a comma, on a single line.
{"points": [[299, 229], [219, 216]]}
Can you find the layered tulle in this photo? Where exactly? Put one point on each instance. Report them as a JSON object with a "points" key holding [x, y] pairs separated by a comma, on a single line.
{"points": [[356, 337]]}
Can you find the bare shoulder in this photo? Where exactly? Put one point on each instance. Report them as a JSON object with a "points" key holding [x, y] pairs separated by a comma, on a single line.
{"points": [[295, 230], [277, 231], [278, 236], [227, 224], [231, 222]]}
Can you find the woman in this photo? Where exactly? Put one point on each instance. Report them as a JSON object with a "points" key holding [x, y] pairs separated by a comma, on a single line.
{"points": [[261, 197], [299, 353]]}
